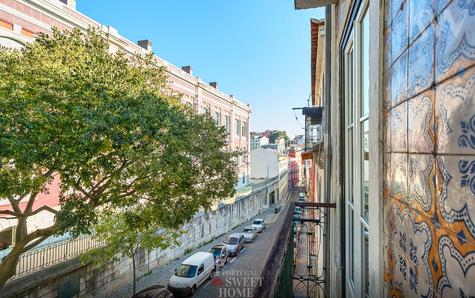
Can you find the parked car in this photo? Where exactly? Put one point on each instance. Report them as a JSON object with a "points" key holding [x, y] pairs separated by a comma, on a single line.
{"points": [[156, 291], [234, 243], [259, 224], [193, 272], [220, 254], [250, 233], [297, 216], [298, 210], [277, 208]]}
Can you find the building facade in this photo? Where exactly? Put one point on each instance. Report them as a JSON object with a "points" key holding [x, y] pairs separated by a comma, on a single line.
{"points": [[258, 141], [399, 154], [21, 20], [269, 164]]}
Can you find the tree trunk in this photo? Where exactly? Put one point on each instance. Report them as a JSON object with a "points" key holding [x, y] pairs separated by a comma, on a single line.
{"points": [[133, 273], [23, 243], [9, 263], [8, 266]]}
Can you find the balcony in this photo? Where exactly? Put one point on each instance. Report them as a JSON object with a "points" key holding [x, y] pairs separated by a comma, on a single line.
{"points": [[313, 127], [297, 265]]}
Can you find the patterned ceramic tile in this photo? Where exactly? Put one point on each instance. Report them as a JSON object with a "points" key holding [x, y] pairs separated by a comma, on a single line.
{"points": [[387, 131], [455, 114], [398, 178], [441, 4], [387, 103], [457, 265], [421, 62], [421, 14], [396, 6], [398, 79], [455, 39], [388, 217], [399, 128], [421, 183], [420, 123], [387, 13], [411, 242], [387, 49], [456, 201], [400, 32]]}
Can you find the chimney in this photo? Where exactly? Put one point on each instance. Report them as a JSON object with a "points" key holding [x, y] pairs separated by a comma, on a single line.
{"points": [[214, 84], [146, 44], [187, 69], [70, 3]]}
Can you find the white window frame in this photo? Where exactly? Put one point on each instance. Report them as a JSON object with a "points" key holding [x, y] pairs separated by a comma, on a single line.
{"points": [[355, 288]]}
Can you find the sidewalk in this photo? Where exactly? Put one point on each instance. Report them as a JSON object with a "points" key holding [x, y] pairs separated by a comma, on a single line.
{"points": [[160, 276]]}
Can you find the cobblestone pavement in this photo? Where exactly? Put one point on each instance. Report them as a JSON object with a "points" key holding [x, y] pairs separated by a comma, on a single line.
{"points": [[251, 258]]}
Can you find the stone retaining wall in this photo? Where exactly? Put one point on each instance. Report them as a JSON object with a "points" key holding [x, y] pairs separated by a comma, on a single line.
{"points": [[72, 279]]}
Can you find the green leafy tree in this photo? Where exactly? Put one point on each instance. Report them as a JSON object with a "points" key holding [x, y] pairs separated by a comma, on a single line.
{"points": [[110, 128], [275, 134], [123, 234]]}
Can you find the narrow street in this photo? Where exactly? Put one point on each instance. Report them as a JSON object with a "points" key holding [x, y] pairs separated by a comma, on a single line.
{"points": [[242, 273], [237, 279]]}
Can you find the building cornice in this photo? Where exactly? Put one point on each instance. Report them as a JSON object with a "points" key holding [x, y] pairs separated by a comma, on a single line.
{"points": [[61, 13]]}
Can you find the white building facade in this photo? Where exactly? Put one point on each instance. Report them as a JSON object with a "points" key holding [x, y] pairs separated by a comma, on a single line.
{"points": [[257, 142], [269, 164]]}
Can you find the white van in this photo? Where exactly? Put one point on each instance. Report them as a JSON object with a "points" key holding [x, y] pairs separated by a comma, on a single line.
{"points": [[193, 272]]}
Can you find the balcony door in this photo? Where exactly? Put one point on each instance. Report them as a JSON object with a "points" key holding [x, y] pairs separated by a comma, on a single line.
{"points": [[356, 106]]}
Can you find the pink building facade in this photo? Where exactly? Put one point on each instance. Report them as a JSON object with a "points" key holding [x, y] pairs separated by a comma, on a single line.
{"points": [[20, 21]]}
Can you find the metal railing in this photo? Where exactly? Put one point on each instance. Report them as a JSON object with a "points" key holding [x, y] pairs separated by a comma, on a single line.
{"points": [[47, 256], [292, 269]]}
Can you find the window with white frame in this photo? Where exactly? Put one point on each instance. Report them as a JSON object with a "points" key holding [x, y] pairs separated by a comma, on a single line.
{"points": [[244, 129], [238, 127], [356, 103], [226, 123]]}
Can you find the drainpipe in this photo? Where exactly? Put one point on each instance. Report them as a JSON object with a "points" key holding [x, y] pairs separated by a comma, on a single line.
{"points": [[327, 115]]}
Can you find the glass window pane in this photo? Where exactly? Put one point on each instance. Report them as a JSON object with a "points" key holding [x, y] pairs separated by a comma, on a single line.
{"points": [[349, 175], [351, 248], [364, 169], [351, 92], [364, 250], [365, 66]]}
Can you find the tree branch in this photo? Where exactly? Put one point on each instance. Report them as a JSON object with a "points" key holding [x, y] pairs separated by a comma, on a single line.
{"points": [[9, 212], [29, 205], [35, 243], [32, 198], [82, 190], [15, 203], [44, 208], [46, 232]]}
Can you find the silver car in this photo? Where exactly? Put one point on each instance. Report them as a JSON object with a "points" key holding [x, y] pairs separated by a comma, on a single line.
{"points": [[220, 253], [234, 243], [259, 224], [250, 233]]}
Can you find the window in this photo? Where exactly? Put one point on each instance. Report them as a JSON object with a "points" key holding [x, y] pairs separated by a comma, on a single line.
{"points": [[238, 127], [356, 106], [201, 269], [217, 118], [244, 129], [226, 123]]}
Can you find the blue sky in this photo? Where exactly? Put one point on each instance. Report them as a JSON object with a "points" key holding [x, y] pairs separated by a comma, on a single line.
{"points": [[258, 50]]}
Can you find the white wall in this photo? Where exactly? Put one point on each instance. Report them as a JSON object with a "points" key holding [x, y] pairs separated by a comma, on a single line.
{"points": [[264, 163]]}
